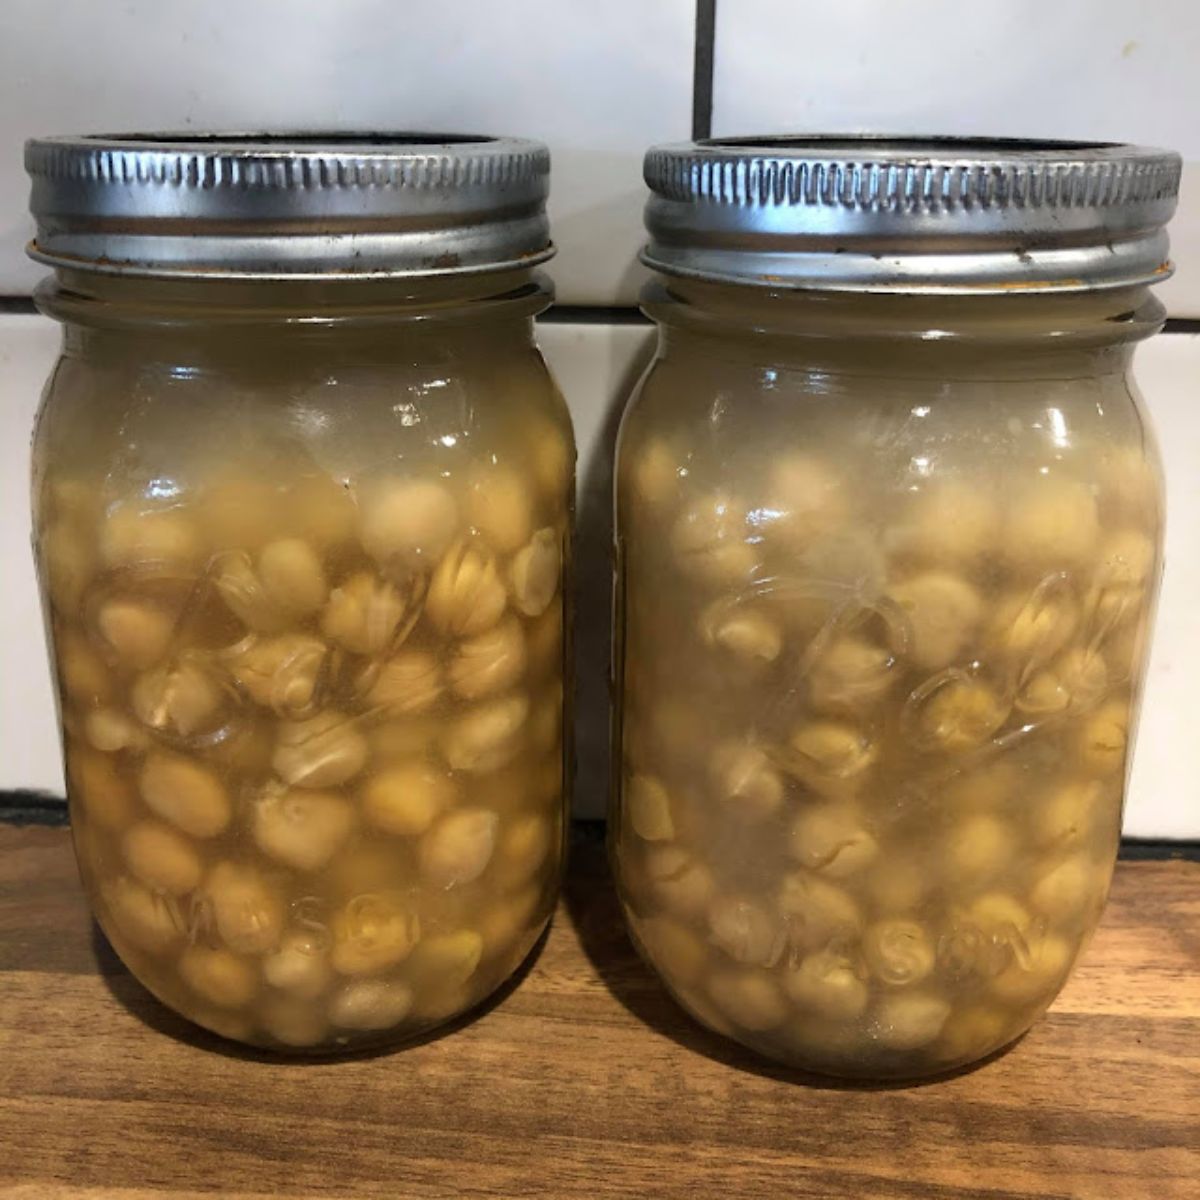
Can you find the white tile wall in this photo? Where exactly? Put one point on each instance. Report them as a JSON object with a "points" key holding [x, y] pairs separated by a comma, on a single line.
{"points": [[596, 365], [595, 81], [1083, 69]]}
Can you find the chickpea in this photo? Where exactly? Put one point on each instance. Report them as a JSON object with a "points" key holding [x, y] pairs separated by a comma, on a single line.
{"points": [[183, 699], [973, 1032], [834, 750], [485, 736], [371, 1004], [466, 596], [217, 976], [138, 632], [239, 586], [458, 848], [827, 984], [656, 474], [534, 573], [445, 960], [292, 576], [407, 684], [500, 507], [364, 615], [410, 521], [897, 885], [1127, 557], [998, 911], [67, 559], [130, 536], [323, 510], [488, 663], [161, 858], [679, 883], [898, 952], [745, 780], [301, 828], [851, 673], [1077, 680], [282, 673], [110, 730], [748, 997], [300, 965], [105, 796], [511, 923], [673, 948], [830, 839], [147, 920], [948, 522], [292, 1021], [1065, 817], [1069, 888], [817, 912], [957, 713], [808, 497], [321, 752], [748, 636], [649, 808], [1036, 976], [407, 798], [909, 1019], [1051, 527], [523, 849], [710, 542], [978, 848], [1034, 627], [248, 911], [944, 612], [745, 931], [1103, 738], [226, 1023], [544, 643], [371, 933], [82, 674], [186, 794]]}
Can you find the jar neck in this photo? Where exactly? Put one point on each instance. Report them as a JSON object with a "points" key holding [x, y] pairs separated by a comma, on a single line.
{"points": [[1015, 335], [109, 311]]}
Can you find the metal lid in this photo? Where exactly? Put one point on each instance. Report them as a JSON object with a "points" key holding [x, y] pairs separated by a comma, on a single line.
{"points": [[310, 205], [884, 214]]}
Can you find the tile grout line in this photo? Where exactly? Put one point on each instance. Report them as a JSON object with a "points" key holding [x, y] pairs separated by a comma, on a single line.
{"points": [[702, 68]]}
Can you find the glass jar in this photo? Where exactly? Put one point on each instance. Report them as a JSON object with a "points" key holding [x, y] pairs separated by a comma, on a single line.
{"points": [[888, 543], [302, 539]]}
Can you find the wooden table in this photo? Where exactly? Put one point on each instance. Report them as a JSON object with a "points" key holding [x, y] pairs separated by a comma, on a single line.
{"points": [[585, 1080]]}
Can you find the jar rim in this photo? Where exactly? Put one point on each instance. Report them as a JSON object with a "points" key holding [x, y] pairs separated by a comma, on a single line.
{"points": [[308, 204], [909, 213]]}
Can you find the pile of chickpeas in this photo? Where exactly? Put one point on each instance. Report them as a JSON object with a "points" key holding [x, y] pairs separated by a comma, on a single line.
{"points": [[314, 733], [873, 737]]}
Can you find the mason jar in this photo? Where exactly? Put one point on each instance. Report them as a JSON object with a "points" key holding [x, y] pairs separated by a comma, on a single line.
{"points": [[302, 492], [889, 529]]}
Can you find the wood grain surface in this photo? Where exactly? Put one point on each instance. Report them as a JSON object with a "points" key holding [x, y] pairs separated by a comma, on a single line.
{"points": [[585, 1080]]}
